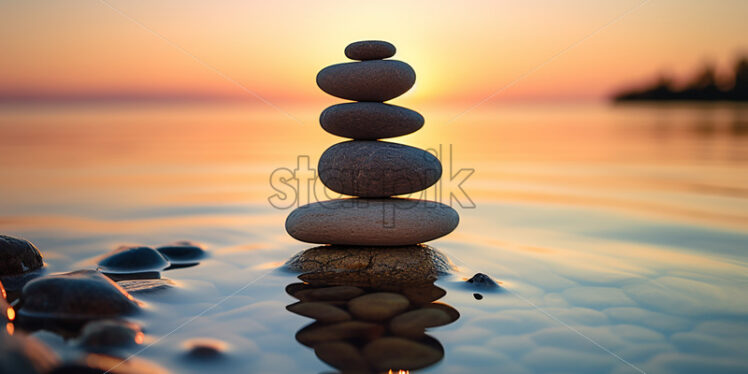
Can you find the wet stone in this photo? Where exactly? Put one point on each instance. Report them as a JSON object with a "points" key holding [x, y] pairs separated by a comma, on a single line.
{"points": [[478, 296], [133, 263], [371, 266], [378, 306], [79, 295], [423, 294], [320, 311], [370, 121], [182, 253], [482, 281], [110, 333], [318, 333], [205, 349], [341, 355], [453, 314], [335, 293], [25, 354], [393, 352], [374, 80], [18, 256], [369, 50], [415, 322], [369, 168], [371, 222]]}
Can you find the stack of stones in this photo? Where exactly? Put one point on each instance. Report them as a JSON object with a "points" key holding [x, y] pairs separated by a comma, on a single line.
{"points": [[368, 168]]}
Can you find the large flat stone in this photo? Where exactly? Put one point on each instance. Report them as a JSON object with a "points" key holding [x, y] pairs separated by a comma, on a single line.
{"points": [[375, 222]]}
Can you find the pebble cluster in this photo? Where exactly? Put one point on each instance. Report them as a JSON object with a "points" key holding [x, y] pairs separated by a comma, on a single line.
{"points": [[86, 306], [368, 330], [369, 168]]}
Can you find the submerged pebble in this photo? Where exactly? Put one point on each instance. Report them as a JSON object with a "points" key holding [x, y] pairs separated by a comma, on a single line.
{"points": [[378, 306], [79, 295], [335, 293], [182, 253], [25, 354], [320, 311], [394, 352], [341, 355], [318, 333], [133, 263], [205, 348], [415, 322], [18, 256], [110, 333]]}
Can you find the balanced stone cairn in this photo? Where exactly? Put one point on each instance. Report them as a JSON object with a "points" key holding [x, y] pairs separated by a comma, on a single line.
{"points": [[368, 168]]}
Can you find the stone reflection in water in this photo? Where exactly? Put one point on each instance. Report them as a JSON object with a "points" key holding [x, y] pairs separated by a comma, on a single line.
{"points": [[371, 313]]}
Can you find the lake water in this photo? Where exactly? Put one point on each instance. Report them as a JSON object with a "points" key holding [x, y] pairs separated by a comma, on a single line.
{"points": [[618, 233]]}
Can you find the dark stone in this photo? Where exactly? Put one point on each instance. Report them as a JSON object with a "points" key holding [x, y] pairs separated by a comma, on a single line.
{"points": [[415, 322], [25, 354], [369, 50], [320, 311], [369, 121], [371, 222], [483, 281], [341, 355], [375, 80], [369, 168], [378, 306], [381, 267], [334, 293], [319, 333], [205, 349], [478, 296], [133, 263], [80, 295], [108, 333], [182, 253], [18, 256], [404, 354]]}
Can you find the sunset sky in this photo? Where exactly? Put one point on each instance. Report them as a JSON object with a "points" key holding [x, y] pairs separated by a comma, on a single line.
{"points": [[462, 51]]}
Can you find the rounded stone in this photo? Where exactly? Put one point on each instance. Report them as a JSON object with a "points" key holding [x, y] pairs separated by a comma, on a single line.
{"points": [[371, 222], [367, 120], [20, 353], [133, 263], [483, 281], [423, 294], [341, 355], [80, 295], [369, 168], [369, 50], [18, 256], [378, 267], [322, 312], [335, 293], [375, 80], [453, 314], [205, 348], [319, 333], [378, 306], [398, 353], [415, 322], [182, 253], [110, 333]]}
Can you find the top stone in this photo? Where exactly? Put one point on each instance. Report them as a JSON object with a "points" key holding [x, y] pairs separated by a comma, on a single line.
{"points": [[369, 50]]}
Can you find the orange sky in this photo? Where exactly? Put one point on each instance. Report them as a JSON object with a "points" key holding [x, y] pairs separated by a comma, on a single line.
{"points": [[462, 51]]}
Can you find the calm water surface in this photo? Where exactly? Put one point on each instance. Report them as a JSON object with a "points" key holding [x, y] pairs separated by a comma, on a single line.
{"points": [[618, 233]]}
